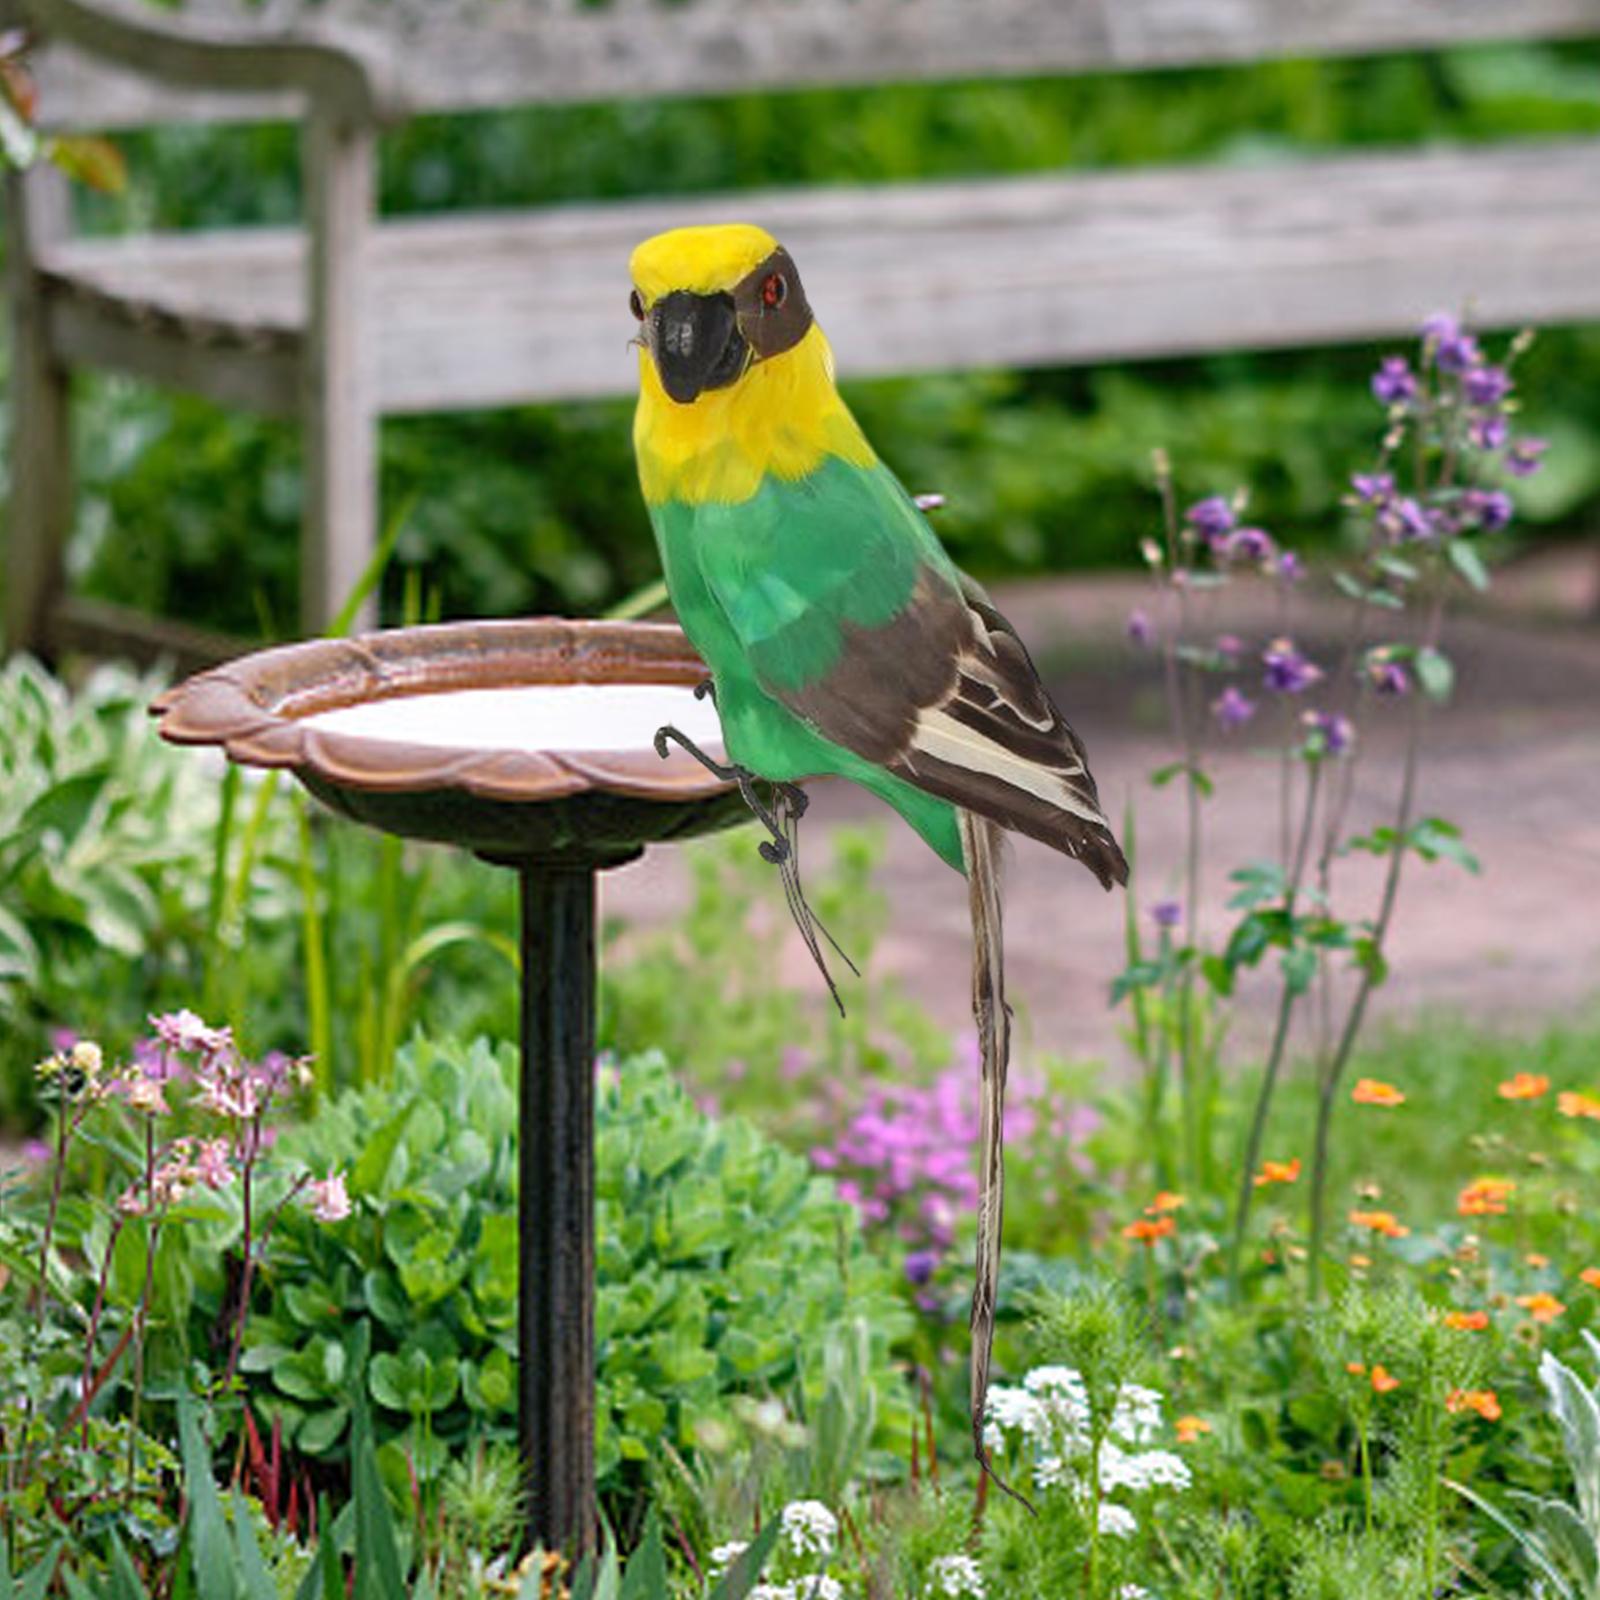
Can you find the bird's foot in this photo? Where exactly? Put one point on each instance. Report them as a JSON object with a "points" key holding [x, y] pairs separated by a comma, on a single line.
{"points": [[706, 689], [781, 818], [777, 848]]}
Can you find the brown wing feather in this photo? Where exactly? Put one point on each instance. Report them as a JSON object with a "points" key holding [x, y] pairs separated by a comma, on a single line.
{"points": [[946, 696]]}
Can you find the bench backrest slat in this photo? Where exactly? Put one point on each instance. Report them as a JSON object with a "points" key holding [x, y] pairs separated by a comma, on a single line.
{"points": [[454, 55]]}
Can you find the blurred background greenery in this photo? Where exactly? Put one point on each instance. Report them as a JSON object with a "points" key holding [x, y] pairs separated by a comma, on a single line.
{"points": [[193, 512]]}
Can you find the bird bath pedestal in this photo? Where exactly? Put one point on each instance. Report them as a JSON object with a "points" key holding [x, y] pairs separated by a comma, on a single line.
{"points": [[530, 744]]}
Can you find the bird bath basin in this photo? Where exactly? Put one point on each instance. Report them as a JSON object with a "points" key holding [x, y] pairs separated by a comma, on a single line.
{"points": [[532, 745]]}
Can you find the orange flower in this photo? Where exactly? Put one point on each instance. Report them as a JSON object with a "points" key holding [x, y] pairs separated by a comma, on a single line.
{"points": [[1590, 1276], [1383, 1222], [1360, 1262], [1524, 1086], [1535, 1260], [1163, 1203], [1542, 1307], [1355, 1368], [1574, 1103], [1278, 1172], [1485, 1197], [1191, 1428], [1147, 1230], [1374, 1092], [1467, 1321], [1484, 1401], [1383, 1380]]}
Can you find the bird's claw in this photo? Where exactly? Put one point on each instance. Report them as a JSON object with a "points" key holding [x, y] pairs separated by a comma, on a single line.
{"points": [[661, 743], [706, 687], [775, 850]]}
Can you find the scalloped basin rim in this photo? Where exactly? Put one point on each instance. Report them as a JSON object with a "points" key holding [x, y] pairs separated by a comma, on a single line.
{"points": [[282, 708]]}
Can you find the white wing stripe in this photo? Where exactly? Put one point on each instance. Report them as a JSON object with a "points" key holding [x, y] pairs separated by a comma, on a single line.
{"points": [[941, 736]]}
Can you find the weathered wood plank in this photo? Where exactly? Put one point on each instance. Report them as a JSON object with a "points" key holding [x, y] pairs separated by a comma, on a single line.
{"points": [[99, 628], [339, 414], [39, 509], [458, 56], [344, 73], [92, 333], [485, 310]]}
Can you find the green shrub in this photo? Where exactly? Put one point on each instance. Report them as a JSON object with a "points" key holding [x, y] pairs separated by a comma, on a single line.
{"points": [[722, 1262], [105, 838]]}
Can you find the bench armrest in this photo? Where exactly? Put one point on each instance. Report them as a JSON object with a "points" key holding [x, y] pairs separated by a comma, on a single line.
{"points": [[346, 75]]}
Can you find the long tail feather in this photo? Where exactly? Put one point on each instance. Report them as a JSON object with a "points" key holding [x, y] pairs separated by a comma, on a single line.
{"points": [[980, 847]]}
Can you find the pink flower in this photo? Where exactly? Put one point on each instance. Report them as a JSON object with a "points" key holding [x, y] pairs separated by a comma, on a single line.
{"points": [[229, 1092], [144, 1094], [327, 1198], [212, 1166], [183, 1030]]}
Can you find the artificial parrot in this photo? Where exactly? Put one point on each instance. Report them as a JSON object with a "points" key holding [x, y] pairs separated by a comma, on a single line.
{"points": [[839, 635]]}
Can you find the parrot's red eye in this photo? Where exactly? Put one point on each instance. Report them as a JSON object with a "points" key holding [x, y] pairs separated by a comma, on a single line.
{"points": [[774, 290], [636, 306]]}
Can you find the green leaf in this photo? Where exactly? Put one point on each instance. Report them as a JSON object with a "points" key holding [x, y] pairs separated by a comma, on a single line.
{"points": [[1465, 559], [322, 1430], [258, 1585], [211, 1551], [740, 1578], [1435, 673], [1527, 1541], [1299, 968], [646, 1578], [1142, 975], [377, 1556], [1434, 839]]}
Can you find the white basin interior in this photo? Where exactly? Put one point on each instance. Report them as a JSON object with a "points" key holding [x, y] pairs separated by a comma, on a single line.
{"points": [[537, 716]]}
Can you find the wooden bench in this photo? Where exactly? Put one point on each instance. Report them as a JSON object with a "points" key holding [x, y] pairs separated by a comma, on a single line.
{"points": [[351, 318]]}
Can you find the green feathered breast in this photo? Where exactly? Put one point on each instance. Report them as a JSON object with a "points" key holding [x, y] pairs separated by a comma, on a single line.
{"points": [[767, 591]]}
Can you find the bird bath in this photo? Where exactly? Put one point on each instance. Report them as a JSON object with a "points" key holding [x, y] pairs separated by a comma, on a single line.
{"points": [[530, 744]]}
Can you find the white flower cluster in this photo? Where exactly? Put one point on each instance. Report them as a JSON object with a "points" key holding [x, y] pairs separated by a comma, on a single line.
{"points": [[957, 1576], [819, 1587], [1050, 1411], [809, 1527]]}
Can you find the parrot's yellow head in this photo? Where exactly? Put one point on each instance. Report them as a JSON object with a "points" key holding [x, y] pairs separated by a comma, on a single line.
{"points": [[735, 377]]}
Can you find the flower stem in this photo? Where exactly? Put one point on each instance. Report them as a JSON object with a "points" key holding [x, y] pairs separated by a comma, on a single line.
{"points": [[1287, 997], [1331, 1076]]}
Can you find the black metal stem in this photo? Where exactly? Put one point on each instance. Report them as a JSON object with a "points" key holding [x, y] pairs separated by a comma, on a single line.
{"points": [[555, 1205]]}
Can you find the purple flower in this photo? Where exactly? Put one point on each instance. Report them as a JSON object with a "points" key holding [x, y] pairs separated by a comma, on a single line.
{"points": [[1458, 353], [1523, 459], [1231, 709], [1388, 677], [35, 1152], [1288, 672], [1333, 733], [1491, 509], [1212, 517], [1166, 913], [1393, 383], [1441, 326], [1376, 488], [1290, 569], [1487, 386], [1488, 432], [921, 1265], [1139, 629], [1406, 519], [1246, 544]]}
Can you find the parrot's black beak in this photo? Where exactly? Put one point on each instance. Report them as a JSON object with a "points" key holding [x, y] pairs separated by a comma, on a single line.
{"points": [[696, 342]]}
